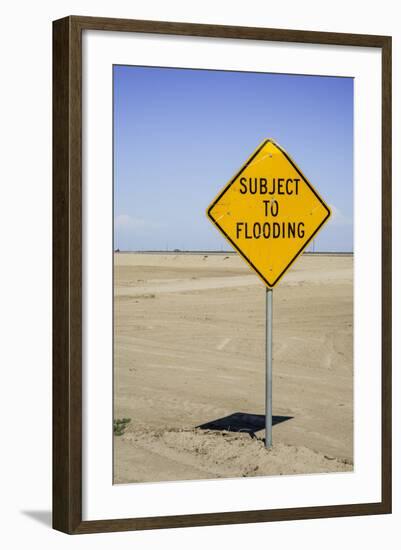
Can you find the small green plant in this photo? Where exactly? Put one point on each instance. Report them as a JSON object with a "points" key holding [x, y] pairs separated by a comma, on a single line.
{"points": [[119, 425]]}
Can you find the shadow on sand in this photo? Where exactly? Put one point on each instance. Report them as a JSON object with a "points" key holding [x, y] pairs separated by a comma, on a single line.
{"points": [[242, 422]]}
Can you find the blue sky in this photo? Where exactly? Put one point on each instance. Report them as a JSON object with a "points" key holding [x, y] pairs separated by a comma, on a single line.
{"points": [[181, 134]]}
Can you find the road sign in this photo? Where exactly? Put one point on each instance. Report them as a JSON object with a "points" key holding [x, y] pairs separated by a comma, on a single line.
{"points": [[269, 212]]}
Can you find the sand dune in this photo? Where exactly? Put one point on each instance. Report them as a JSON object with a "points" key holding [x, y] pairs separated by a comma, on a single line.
{"points": [[196, 454], [189, 350]]}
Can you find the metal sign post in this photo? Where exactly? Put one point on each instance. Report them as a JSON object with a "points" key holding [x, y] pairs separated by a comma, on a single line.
{"points": [[269, 369], [269, 213]]}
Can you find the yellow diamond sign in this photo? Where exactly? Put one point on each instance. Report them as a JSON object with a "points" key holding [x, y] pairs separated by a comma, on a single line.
{"points": [[269, 212]]}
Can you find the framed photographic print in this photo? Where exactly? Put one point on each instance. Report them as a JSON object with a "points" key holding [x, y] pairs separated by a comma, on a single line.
{"points": [[221, 274]]}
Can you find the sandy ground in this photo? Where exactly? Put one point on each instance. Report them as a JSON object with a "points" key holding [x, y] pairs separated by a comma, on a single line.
{"points": [[189, 351]]}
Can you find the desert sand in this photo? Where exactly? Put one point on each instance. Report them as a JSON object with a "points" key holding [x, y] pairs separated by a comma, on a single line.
{"points": [[189, 370]]}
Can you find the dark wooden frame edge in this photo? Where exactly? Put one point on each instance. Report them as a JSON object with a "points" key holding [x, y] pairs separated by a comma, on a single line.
{"points": [[67, 275]]}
